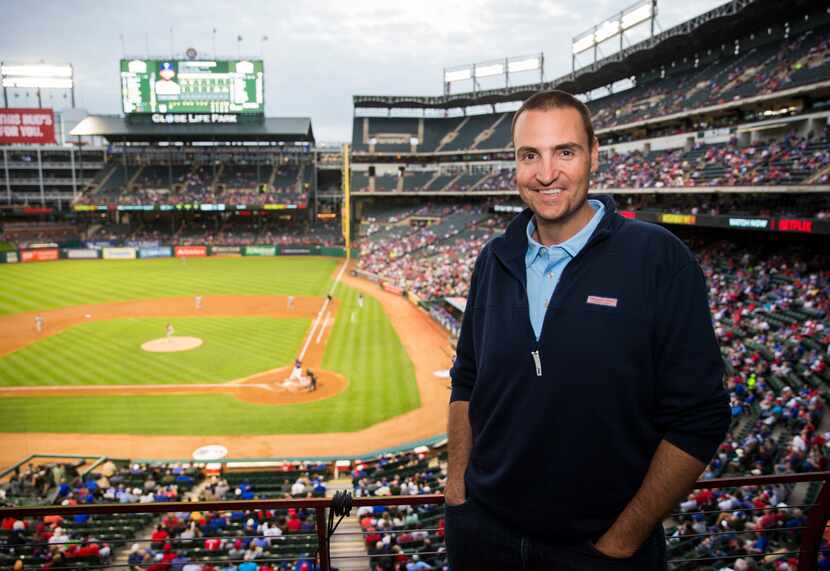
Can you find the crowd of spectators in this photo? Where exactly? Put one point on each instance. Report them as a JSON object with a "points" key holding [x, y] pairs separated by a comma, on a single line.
{"points": [[402, 538], [239, 540], [792, 159], [239, 185], [231, 233], [242, 540], [769, 313], [789, 161], [54, 542], [769, 205], [204, 195], [25, 234], [758, 71], [63, 483], [429, 261], [503, 179]]}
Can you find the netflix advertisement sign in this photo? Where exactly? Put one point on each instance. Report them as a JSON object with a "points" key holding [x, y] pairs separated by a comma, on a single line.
{"points": [[27, 126]]}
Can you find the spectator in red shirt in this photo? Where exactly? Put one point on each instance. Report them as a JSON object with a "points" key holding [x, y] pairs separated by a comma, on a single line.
{"points": [[158, 537]]}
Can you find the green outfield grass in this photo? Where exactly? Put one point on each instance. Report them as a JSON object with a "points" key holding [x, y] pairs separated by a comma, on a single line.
{"points": [[41, 286], [364, 348], [109, 352]]}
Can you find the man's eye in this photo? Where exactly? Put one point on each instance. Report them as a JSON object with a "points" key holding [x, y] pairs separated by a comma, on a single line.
{"points": [[566, 154], [528, 156]]}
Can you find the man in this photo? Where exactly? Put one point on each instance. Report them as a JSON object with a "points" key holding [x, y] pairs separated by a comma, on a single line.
{"points": [[587, 391], [296, 376], [169, 331]]}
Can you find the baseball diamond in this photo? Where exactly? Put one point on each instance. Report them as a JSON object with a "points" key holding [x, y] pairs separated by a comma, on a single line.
{"points": [[85, 375]]}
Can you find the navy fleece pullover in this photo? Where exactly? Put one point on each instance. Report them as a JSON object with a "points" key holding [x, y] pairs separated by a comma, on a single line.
{"points": [[564, 428]]}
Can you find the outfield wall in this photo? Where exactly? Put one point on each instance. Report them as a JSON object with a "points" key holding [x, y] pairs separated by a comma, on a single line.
{"points": [[107, 251]]}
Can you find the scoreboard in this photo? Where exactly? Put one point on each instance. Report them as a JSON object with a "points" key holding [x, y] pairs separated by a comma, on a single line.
{"points": [[192, 86]]}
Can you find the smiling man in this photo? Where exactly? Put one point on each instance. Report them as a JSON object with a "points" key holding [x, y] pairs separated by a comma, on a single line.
{"points": [[587, 389]]}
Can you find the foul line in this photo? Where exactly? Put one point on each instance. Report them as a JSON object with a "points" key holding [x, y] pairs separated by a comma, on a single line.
{"points": [[323, 329], [320, 313]]}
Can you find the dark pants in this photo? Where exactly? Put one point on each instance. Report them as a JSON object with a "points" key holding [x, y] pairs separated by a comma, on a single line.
{"points": [[477, 541]]}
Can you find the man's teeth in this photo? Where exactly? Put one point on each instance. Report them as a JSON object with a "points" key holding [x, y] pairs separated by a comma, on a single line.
{"points": [[551, 192]]}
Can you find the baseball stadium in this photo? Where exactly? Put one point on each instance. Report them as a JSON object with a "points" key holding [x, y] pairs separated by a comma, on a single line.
{"points": [[225, 345]]}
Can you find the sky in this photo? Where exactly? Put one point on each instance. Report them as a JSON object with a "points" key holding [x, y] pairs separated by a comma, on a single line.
{"points": [[317, 54]]}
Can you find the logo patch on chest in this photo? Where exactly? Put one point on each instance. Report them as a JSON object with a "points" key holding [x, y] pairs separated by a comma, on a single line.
{"points": [[605, 301]]}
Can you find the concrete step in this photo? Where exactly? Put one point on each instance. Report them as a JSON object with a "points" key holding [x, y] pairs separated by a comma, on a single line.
{"points": [[348, 551]]}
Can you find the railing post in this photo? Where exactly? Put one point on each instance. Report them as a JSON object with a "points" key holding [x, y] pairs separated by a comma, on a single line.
{"points": [[816, 522], [322, 539]]}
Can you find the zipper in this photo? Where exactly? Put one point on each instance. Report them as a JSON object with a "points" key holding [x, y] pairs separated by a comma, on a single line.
{"points": [[537, 360], [602, 232]]}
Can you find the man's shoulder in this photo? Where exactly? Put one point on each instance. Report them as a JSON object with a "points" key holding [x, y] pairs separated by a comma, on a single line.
{"points": [[489, 247], [659, 244]]}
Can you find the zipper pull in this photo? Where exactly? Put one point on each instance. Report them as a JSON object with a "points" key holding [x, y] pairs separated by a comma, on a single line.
{"points": [[537, 360]]}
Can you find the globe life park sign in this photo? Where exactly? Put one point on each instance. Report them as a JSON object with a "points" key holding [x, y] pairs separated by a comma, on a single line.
{"points": [[194, 118], [182, 119]]}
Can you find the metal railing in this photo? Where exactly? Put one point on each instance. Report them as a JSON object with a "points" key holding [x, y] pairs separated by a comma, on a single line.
{"points": [[325, 509]]}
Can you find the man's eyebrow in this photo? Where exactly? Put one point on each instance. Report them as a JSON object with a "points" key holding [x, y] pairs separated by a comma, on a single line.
{"points": [[569, 146], [525, 149]]}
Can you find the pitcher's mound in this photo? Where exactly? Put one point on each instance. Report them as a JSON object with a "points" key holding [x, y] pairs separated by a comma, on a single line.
{"points": [[171, 344]]}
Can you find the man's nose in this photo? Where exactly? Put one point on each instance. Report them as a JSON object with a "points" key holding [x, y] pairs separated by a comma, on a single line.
{"points": [[548, 171]]}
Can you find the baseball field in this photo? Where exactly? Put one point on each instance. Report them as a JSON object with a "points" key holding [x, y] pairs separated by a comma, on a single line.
{"points": [[201, 349]]}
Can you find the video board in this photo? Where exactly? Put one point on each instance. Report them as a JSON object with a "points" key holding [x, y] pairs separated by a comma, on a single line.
{"points": [[192, 86]]}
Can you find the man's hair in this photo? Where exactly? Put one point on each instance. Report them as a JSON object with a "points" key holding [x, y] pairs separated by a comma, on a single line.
{"points": [[556, 99]]}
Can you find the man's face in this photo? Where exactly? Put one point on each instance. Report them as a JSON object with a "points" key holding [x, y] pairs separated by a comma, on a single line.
{"points": [[553, 163]]}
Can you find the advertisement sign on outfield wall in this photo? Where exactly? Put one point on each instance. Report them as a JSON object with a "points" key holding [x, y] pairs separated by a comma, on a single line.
{"points": [[260, 250], [47, 255], [190, 251], [118, 253], [155, 252], [226, 250], [8, 257], [80, 254], [299, 251]]}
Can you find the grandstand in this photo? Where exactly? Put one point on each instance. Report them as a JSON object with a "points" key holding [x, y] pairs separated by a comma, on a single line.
{"points": [[719, 132]]}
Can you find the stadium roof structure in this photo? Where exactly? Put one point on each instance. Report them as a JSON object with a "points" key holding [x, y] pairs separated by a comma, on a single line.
{"points": [[735, 18], [273, 129]]}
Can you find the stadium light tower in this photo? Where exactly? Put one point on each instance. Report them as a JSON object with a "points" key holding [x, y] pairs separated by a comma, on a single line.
{"points": [[37, 76], [615, 26], [494, 68]]}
